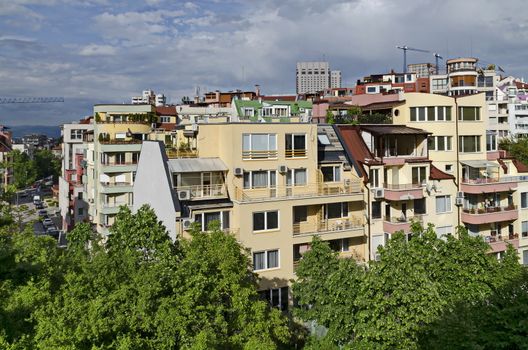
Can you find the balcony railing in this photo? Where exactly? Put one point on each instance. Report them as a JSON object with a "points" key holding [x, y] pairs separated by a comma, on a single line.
{"points": [[115, 204], [268, 154], [115, 184], [326, 226], [489, 210], [402, 187], [306, 191], [118, 163], [403, 219], [120, 142], [205, 191], [295, 153], [176, 153]]}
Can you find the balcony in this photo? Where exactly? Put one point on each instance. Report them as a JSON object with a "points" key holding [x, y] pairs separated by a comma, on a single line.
{"points": [[400, 192], [181, 153], [393, 224], [267, 154], [500, 244], [295, 153], [489, 215], [116, 187], [491, 185], [112, 208], [205, 191], [295, 192], [118, 167], [329, 226]]}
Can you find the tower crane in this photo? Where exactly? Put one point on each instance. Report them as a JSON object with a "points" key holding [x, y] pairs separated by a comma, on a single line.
{"points": [[405, 48], [4, 100], [437, 57]]}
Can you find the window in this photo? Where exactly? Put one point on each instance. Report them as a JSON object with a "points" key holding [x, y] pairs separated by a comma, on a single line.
{"points": [[439, 143], [337, 210], [296, 177], [340, 245], [524, 200], [265, 220], [80, 211], [468, 113], [491, 142], [376, 210], [165, 119], [248, 112], [439, 113], [80, 195], [268, 259], [371, 89], [468, 144], [524, 229], [442, 231], [276, 297], [418, 175], [120, 135], [331, 173], [76, 134], [419, 206], [260, 179], [300, 214], [295, 145], [374, 177], [135, 157], [449, 168], [443, 204], [205, 219], [259, 146]]}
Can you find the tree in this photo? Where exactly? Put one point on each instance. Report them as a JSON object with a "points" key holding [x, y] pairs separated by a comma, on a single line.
{"points": [[330, 118], [24, 171], [517, 148], [46, 164], [376, 118]]}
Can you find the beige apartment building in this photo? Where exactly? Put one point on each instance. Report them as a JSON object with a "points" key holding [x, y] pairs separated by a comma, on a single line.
{"points": [[273, 186]]}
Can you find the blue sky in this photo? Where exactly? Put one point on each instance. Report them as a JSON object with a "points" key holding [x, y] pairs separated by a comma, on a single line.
{"points": [[104, 51]]}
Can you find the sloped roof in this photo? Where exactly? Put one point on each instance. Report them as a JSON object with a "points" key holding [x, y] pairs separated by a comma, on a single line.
{"points": [[166, 110], [356, 147], [437, 174], [391, 129]]}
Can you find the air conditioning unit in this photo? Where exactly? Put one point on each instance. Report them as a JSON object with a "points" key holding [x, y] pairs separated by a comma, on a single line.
{"points": [[459, 201], [378, 193], [187, 223], [184, 195], [460, 194], [283, 169], [238, 171], [153, 125]]}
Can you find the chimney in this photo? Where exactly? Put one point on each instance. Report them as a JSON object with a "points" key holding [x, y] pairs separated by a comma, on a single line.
{"points": [[257, 90]]}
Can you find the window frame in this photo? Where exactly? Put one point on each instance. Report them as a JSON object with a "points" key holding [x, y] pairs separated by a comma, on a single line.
{"points": [[291, 177], [268, 153], [266, 259], [461, 143], [224, 224], [449, 208], [342, 207], [266, 213], [294, 152], [336, 170]]}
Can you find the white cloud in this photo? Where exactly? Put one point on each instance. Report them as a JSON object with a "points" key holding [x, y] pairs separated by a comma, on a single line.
{"points": [[98, 50]]}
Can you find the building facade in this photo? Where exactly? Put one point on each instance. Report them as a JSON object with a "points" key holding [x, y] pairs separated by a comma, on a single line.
{"points": [[312, 77]]}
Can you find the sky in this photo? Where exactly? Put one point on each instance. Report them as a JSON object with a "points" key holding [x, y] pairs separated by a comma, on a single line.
{"points": [[106, 51]]}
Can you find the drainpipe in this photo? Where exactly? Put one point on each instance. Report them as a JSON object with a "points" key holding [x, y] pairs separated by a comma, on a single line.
{"points": [[457, 158], [369, 217]]}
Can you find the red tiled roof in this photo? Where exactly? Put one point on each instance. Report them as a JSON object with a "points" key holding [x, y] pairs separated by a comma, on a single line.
{"points": [[166, 110], [521, 167], [279, 98], [356, 147], [521, 85], [437, 174], [86, 120]]}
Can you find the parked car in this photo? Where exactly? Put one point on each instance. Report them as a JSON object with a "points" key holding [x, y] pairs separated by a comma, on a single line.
{"points": [[39, 205], [36, 199], [47, 222], [43, 213]]}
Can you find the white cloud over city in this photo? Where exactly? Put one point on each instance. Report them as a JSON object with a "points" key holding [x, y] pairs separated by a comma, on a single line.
{"points": [[106, 51]]}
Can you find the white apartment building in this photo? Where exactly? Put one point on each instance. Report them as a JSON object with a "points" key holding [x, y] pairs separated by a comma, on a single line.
{"points": [[316, 76], [149, 97], [335, 79]]}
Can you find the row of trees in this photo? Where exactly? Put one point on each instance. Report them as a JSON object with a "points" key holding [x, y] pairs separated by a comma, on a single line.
{"points": [[355, 115], [425, 293], [27, 170], [140, 290]]}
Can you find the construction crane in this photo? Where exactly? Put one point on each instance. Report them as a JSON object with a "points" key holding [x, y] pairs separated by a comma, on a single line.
{"points": [[437, 57], [4, 100], [405, 48]]}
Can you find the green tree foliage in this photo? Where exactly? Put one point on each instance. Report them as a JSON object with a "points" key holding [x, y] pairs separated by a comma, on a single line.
{"points": [[517, 148], [46, 164], [376, 118], [24, 171], [143, 291], [418, 283]]}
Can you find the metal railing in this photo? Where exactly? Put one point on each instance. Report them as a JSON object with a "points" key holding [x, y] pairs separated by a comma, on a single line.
{"points": [[116, 184], [205, 191], [305, 191], [295, 153], [491, 180], [267, 154], [333, 225], [176, 153], [397, 187], [403, 219], [489, 210]]}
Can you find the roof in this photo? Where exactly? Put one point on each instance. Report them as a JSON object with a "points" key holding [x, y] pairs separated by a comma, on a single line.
{"points": [[196, 165], [356, 147], [437, 174], [521, 167], [391, 129], [166, 110], [295, 105], [291, 98], [479, 164]]}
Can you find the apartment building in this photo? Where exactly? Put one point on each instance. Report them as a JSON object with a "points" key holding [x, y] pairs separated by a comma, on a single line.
{"points": [[401, 183], [488, 183], [312, 77], [422, 70], [271, 185], [149, 97], [272, 110], [73, 203], [391, 82]]}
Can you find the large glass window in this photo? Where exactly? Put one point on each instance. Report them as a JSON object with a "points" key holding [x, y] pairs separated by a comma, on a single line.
{"points": [[524, 200], [418, 175], [337, 210], [374, 179], [439, 143], [376, 210], [468, 113], [259, 146], [296, 177], [205, 219], [76, 134], [431, 113], [267, 259], [260, 179], [524, 229], [469, 144], [295, 145], [265, 220], [443, 204], [331, 173]]}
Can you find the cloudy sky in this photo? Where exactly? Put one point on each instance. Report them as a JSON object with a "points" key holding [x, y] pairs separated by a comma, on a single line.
{"points": [[105, 51]]}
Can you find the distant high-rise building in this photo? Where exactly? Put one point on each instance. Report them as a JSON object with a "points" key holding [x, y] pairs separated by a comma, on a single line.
{"points": [[335, 79], [149, 97], [313, 77], [422, 70]]}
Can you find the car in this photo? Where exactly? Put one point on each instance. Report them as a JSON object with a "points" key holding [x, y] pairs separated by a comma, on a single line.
{"points": [[39, 205], [43, 213], [47, 222], [36, 199]]}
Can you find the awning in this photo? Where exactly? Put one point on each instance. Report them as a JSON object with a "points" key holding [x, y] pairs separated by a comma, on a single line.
{"points": [[480, 164], [196, 165]]}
